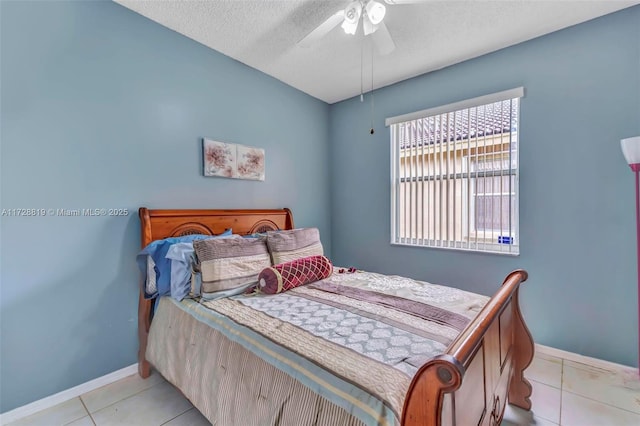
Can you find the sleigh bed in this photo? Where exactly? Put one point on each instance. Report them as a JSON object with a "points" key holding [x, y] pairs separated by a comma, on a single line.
{"points": [[222, 354]]}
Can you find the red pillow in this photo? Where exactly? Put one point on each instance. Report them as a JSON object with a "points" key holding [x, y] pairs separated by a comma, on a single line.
{"points": [[288, 275]]}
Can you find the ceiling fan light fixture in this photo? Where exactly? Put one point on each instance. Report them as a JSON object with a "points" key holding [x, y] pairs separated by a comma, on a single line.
{"points": [[368, 27], [352, 15], [353, 12], [349, 27], [375, 12]]}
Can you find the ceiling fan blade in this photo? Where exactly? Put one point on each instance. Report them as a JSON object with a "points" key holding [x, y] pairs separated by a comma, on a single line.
{"points": [[405, 1], [322, 29], [382, 39]]}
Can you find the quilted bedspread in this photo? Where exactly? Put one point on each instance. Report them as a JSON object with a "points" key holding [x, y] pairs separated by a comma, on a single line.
{"points": [[344, 349]]}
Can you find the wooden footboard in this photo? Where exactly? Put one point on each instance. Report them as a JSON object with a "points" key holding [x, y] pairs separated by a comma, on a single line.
{"points": [[481, 371]]}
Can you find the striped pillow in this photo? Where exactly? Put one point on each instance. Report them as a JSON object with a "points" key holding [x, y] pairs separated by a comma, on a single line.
{"points": [[293, 244], [230, 263]]}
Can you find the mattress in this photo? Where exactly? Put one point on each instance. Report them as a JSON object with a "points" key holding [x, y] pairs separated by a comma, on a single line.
{"points": [[341, 351]]}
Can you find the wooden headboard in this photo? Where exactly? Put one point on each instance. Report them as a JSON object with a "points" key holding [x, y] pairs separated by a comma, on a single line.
{"points": [[159, 224]]}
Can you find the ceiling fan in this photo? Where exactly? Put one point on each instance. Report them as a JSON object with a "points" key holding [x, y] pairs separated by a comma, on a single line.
{"points": [[371, 12]]}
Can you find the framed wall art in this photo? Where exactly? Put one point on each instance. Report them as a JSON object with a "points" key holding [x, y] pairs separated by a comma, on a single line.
{"points": [[232, 160]]}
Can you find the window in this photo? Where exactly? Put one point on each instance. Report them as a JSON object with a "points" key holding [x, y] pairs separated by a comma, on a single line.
{"points": [[454, 175]]}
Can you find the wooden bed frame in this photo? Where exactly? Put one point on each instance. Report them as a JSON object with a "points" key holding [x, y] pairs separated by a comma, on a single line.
{"points": [[468, 385]]}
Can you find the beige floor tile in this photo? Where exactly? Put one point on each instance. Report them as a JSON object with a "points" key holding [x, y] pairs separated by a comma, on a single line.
{"points": [[60, 414], [151, 407], [545, 369], [548, 357], [617, 386], [117, 391], [545, 402], [190, 418], [581, 411], [514, 416], [85, 421]]}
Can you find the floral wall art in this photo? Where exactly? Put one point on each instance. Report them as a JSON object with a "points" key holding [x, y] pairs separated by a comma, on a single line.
{"points": [[233, 160]]}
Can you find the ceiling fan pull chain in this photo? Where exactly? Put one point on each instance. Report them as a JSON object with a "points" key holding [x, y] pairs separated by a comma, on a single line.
{"points": [[362, 72], [372, 131]]}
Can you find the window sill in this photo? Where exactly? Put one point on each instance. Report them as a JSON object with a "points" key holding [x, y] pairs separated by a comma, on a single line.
{"points": [[514, 250]]}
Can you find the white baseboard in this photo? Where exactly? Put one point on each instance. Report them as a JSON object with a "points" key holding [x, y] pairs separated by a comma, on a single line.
{"points": [[66, 395], [571, 356]]}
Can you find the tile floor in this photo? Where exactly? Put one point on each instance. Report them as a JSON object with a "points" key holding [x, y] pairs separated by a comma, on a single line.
{"points": [[565, 393], [586, 393]]}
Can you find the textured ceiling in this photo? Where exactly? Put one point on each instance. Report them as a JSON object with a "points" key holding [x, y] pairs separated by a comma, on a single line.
{"points": [[428, 36]]}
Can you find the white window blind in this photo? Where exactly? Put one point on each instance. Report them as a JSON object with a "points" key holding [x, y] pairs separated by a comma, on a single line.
{"points": [[454, 175]]}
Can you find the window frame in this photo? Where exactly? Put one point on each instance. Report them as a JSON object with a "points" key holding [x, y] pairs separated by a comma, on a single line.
{"points": [[467, 202]]}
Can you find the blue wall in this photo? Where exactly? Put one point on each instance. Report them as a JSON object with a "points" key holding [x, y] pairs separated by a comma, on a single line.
{"points": [[102, 108], [576, 191]]}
